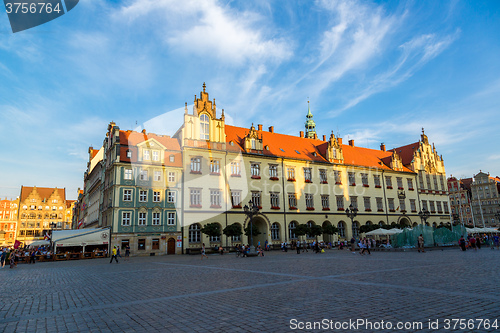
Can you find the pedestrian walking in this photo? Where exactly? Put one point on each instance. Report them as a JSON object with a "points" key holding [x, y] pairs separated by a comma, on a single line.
{"points": [[420, 242], [203, 252], [127, 252], [353, 244], [114, 255]]}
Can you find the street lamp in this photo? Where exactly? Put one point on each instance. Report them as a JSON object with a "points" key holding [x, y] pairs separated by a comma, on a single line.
{"points": [[251, 212], [424, 215], [351, 213]]}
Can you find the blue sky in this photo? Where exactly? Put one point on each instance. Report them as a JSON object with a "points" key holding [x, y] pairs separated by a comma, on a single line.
{"points": [[373, 72]]}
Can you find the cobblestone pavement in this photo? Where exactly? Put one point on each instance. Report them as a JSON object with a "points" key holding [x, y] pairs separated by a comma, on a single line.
{"points": [[275, 293]]}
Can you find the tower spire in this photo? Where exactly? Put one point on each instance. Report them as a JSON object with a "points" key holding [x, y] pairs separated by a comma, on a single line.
{"points": [[310, 124]]}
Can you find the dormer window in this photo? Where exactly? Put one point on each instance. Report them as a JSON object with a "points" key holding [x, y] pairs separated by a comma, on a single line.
{"points": [[204, 127], [254, 145]]}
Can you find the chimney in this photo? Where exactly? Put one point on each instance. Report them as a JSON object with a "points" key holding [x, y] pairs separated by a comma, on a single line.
{"points": [[315, 136], [324, 137], [301, 134], [382, 146], [143, 131], [340, 141], [351, 143], [271, 129], [259, 126]]}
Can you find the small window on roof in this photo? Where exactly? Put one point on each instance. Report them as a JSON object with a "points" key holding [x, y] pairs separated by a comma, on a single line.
{"points": [[172, 158], [282, 149], [129, 154], [231, 143], [267, 147], [314, 153], [297, 152]]}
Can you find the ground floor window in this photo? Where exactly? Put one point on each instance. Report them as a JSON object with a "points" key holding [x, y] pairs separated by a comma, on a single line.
{"points": [[125, 242], [155, 244], [141, 244], [275, 231], [194, 233]]}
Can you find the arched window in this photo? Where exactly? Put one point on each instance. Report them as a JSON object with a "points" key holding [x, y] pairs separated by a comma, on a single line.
{"points": [[341, 227], [194, 233], [275, 231], [355, 229], [291, 229], [204, 127], [310, 225]]}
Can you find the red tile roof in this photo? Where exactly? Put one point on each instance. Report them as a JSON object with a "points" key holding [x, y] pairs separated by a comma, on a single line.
{"points": [[406, 152], [43, 192], [286, 146], [133, 138]]}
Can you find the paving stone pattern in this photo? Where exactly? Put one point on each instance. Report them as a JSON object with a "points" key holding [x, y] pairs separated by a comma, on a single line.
{"points": [[260, 294]]}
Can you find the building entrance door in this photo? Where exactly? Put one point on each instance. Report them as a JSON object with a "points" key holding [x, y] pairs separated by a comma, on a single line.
{"points": [[171, 246]]}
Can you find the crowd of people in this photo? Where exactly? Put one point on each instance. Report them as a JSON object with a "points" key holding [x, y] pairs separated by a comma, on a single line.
{"points": [[475, 242], [11, 256]]}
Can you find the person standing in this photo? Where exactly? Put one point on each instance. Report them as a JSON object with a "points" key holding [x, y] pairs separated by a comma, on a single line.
{"points": [[203, 252], [420, 242], [353, 244], [461, 242], [3, 258], [298, 247], [127, 252], [114, 255]]}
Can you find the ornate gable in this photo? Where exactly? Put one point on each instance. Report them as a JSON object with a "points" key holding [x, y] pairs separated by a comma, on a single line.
{"points": [[203, 104], [396, 162], [334, 153], [253, 141]]}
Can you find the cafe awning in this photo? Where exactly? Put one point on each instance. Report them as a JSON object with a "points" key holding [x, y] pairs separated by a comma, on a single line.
{"points": [[81, 237]]}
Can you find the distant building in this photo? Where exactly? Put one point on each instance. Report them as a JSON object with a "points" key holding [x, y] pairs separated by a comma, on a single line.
{"points": [[8, 221], [40, 210], [460, 200], [485, 191]]}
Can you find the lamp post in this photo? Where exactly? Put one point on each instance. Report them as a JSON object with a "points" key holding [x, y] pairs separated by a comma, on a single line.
{"points": [[455, 218], [424, 215], [402, 197], [351, 213], [251, 210], [52, 226]]}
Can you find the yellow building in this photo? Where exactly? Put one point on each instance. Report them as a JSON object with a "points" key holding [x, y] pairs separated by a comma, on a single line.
{"points": [[8, 221], [40, 210]]}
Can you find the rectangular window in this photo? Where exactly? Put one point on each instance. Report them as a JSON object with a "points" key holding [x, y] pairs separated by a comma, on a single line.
{"points": [[171, 196], [256, 198], [352, 179], [156, 219], [235, 168], [171, 176], [413, 206], [142, 218], [309, 201], [236, 198], [215, 167], [155, 244], [340, 202], [376, 180], [322, 176], [325, 202], [196, 165], [424, 205], [338, 179], [445, 205], [126, 219], [157, 176], [127, 195], [402, 205], [429, 182], [275, 200], [255, 170], [292, 200], [391, 204], [145, 155], [442, 183], [421, 179], [156, 155], [195, 197], [141, 244], [435, 182], [273, 171], [364, 179], [366, 201], [400, 183], [388, 182], [354, 202], [290, 172], [307, 175], [410, 184], [432, 206], [171, 218], [127, 174], [215, 199], [156, 196], [144, 175], [380, 205], [439, 208], [143, 196]]}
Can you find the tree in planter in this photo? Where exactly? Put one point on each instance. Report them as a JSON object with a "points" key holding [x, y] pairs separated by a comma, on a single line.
{"points": [[211, 229], [315, 231], [232, 230]]}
